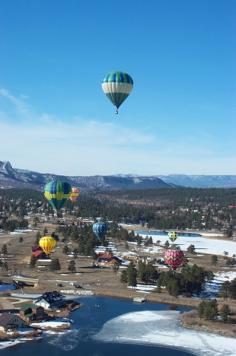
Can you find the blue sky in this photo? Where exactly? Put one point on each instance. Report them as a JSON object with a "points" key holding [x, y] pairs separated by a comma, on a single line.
{"points": [[180, 117]]}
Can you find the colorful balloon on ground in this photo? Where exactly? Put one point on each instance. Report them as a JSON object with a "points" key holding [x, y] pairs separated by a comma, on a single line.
{"points": [[174, 258], [172, 236], [117, 87], [47, 244], [74, 194], [57, 192], [100, 229]]}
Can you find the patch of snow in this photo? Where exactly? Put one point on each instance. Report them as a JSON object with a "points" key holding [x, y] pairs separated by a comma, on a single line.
{"points": [[202, 244], [6, 344], [52, 324], [211, 289], [76, 292], [137, 180], [143, 287], [163, 328]]}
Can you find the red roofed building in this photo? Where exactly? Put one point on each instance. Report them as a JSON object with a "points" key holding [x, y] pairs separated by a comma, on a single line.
{"points": [[38, 252]]}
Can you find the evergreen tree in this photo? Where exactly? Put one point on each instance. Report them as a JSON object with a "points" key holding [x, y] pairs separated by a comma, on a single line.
{"points": [[232, 289], [224, 290], [72, 267], [33, 261], [37, 237], [4, 250], [132, 275], [208, 309], [124, 276], [147, 272], [173, 287], [214, 259], [55, 265], [45, 231], [5, 266], [201, 309], [225, 313], [66, 250], [75, 252], [229, 231], [211, 310], [141, 270], [191, 249], [55, 236], [167, 244], [139, 240]]}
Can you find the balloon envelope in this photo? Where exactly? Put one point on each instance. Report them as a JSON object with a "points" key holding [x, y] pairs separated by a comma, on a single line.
{"points": [[57, 192], [174, 258], [100, 229], [117, 87], [172, 235], [47, 244], [74, 194]]}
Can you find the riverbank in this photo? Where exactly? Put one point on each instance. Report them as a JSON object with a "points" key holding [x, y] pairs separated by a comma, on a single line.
{"points": [[190, 320], [163, 297]]}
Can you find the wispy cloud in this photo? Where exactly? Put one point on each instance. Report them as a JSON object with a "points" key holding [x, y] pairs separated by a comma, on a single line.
{"points": [[17, 102], [84, 147]]}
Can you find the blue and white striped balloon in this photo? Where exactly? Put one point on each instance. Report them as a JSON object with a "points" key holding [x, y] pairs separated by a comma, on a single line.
{"points": [[117, 87]]}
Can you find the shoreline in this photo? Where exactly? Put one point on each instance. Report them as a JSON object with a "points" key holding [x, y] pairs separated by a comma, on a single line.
{"points": [[189, 319]]}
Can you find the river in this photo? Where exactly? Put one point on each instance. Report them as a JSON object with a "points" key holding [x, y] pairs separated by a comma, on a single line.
{"points": [[88, 321]]}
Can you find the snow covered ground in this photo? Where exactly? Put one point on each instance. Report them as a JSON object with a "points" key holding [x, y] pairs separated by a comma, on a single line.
{"points": [[212, 288], [163, 328], [144, 288], [5, 344], [202, 244], [52, 324]]}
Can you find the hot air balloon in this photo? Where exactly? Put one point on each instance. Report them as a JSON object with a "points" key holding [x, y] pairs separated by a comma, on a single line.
{"points": [[172, 236], [47, 244], [74, 194], [117, 87], [57, 192], [174, 258], [100, 229]]}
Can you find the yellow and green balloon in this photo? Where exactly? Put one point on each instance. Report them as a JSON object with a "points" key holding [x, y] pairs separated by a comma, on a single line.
{"points": [[57, 192]]}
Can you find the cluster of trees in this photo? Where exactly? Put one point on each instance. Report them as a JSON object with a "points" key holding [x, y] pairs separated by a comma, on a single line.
{"points": [[188, 281], [164, 208], [55, 265], [82, 236], [145, 272], [129, 275], [12, 224], [4, 265], [228, 289], [208, 309]]}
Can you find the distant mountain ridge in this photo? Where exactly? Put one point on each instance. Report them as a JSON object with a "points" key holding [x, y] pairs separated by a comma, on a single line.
{"points": [[19, 178], [201, 181]]}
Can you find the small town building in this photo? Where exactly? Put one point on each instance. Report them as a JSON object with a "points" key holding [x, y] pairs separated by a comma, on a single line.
{"points": [[38, 252], [51, 300], [11, 322], [107, 260]]}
